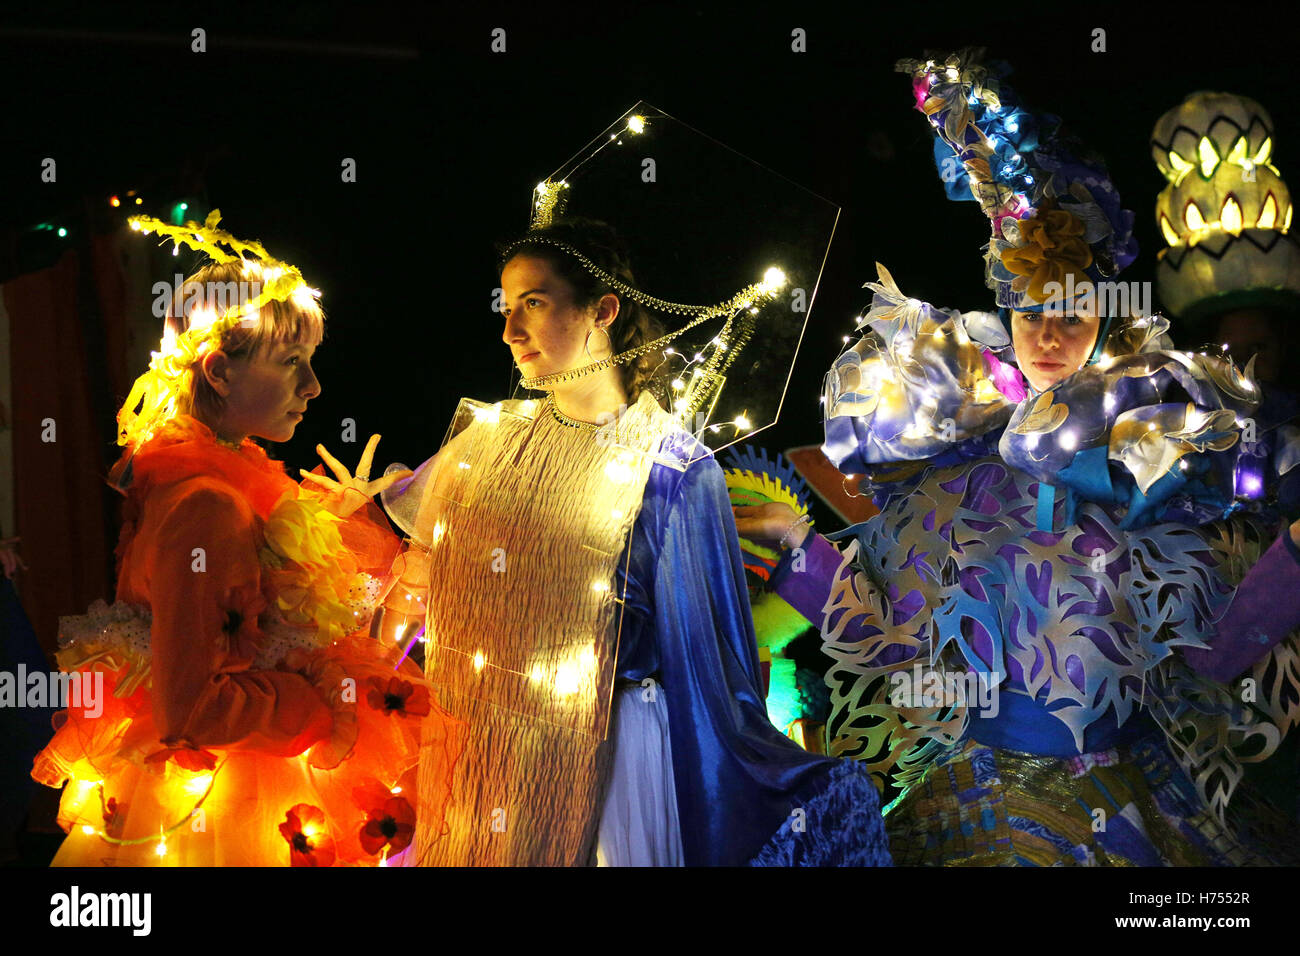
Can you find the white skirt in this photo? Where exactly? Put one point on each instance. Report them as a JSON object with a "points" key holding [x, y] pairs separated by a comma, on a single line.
{"points": [[638, 822]]}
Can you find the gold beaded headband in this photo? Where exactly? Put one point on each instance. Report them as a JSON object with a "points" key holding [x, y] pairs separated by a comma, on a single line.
{"points": [[749, 297]]}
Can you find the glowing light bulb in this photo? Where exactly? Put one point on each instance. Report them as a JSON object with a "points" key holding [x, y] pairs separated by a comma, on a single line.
{"points": [[479, 661], [536, 673], [439, 529], [161, 848], [616, 514], [678, 383], [199, 785], [636, 124], [135, 226], [464, 465], [88, 829], [1069, 440], [773, 279], [600, 587], [114, 202], [743, 423], [304, 297], [618, 471], [566, 679], [394, 790]]}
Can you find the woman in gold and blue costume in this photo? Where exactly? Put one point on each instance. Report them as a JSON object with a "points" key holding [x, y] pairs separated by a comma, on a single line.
{"points": [[1043, 645], [587, 612]]}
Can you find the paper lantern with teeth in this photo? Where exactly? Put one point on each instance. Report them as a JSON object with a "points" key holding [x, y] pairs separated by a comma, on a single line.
{"points": [[1226, 213]]}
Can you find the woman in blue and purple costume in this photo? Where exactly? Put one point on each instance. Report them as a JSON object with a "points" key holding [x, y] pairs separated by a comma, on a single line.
{"points": [[1031, 640]]}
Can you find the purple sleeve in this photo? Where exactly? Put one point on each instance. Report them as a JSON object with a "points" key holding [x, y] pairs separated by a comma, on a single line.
{"points": [[1265, 609], [807, 591]]}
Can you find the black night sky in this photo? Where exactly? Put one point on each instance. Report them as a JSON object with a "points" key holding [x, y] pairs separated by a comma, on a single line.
{"points": [[450, 138]]}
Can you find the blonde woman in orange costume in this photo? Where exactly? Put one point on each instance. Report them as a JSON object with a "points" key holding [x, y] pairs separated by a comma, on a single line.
{"points": [[246, 716]]}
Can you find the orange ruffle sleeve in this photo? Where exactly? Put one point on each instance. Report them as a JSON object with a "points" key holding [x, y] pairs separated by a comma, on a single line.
{"points": [[194, 561]]}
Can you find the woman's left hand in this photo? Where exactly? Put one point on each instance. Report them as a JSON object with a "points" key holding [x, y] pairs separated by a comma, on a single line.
{"points": [[350, 492]]}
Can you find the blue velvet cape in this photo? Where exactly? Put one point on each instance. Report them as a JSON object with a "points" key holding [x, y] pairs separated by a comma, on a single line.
{"points": [[739, 780]]}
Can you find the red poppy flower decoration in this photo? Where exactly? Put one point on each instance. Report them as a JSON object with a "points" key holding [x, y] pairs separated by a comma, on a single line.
{"points": [[398, 696], [393, 824], [309, 842]]}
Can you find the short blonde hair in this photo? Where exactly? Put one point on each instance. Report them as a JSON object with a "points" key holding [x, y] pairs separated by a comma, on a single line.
{"points": [[220, 286]]}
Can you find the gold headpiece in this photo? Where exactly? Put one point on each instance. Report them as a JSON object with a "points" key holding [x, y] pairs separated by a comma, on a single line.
{"points": [[156, 391], [707, 376]]}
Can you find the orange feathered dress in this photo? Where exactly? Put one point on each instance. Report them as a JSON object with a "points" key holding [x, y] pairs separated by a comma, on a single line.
{"points": [[247, 717]]}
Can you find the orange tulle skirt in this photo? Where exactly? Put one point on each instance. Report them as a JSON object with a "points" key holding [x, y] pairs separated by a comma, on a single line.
{"points": [[130, 802]]}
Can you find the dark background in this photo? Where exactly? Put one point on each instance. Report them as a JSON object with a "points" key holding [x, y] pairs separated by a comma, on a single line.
{"points": [[450, 138]]}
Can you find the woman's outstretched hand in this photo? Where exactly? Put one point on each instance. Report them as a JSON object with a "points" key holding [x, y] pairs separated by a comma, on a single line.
{"points": [[766, 524], [350, 492]]}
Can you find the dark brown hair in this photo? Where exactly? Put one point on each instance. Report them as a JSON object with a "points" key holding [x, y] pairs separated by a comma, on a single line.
{"points": [[598, 241]]}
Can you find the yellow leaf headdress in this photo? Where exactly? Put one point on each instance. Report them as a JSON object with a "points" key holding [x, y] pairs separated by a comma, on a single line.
{"points": [[156, 393]]}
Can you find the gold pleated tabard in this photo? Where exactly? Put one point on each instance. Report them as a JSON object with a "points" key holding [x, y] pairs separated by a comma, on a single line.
{"points": [[526, 519]]}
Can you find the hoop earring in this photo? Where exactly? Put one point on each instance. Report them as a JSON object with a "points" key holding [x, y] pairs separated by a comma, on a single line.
{"points": [[608, 341]]}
